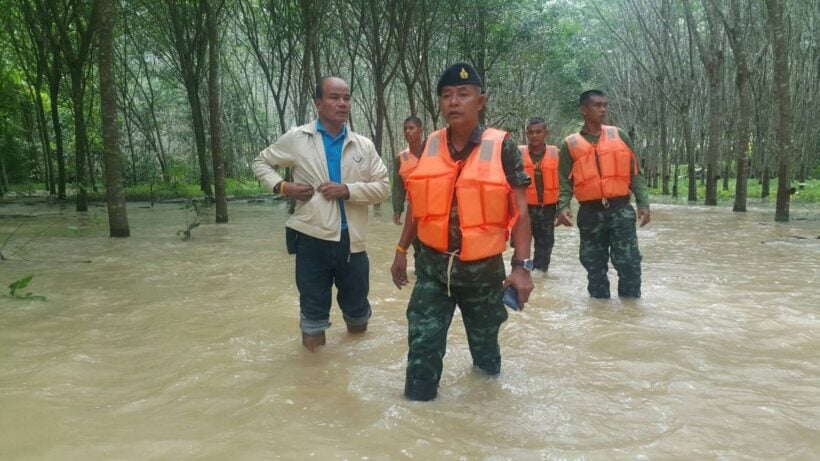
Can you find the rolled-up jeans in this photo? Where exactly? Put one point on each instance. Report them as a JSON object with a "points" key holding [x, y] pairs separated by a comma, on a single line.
{"points": [[319, 265]]}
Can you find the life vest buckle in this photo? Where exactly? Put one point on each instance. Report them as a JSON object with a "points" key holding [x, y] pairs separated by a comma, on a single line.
{"points": [[605, 202]]}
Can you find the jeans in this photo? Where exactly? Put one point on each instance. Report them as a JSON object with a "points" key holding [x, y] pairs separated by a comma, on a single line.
{"points": [[319, 265]]}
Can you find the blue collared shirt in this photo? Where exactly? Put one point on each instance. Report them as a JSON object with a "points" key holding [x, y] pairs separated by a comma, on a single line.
{"points": [[333, 152]]}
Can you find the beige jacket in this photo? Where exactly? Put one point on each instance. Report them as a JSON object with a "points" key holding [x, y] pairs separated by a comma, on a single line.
{"points": [[363, 172]]}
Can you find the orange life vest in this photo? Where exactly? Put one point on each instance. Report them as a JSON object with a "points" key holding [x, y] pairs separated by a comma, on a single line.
{"points": [[549, 174], [602, 170], [486, 208], [408, 163]]}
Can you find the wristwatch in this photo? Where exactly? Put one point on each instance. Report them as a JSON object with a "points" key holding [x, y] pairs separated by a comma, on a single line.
{"points": [[277, 187], [527, 264]]}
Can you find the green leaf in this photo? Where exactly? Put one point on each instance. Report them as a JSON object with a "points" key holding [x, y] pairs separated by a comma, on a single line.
{"points": [[19, 285]]}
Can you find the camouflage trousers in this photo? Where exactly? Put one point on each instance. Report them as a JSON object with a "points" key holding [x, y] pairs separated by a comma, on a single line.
{"points": [[429, 315], [605, 234], [542, 221]]}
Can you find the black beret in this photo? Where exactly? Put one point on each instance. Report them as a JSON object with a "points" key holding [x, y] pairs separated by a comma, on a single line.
{"points": [[459, 73]]}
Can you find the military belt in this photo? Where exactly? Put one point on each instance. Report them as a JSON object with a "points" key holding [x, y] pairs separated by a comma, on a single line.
{"points": [[606, 204]]}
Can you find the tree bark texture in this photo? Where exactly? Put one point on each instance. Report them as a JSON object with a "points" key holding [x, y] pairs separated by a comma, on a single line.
{"points": [[117, 214], [783, 103], [215, 111]]}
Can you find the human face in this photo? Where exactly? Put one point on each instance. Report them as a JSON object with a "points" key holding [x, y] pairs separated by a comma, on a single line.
{"points": [[461, 104], [594, 111], [333, 107], [412, 132], [537, 134]]}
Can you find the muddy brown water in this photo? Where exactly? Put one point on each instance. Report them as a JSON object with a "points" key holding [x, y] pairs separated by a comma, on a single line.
{"points": [[163, 349]]}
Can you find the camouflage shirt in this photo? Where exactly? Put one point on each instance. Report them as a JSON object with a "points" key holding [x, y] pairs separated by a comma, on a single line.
{"points": [[433, 264], [637, 185]]}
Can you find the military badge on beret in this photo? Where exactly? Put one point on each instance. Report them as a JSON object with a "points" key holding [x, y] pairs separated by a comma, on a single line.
{"points": [[460, 73]]}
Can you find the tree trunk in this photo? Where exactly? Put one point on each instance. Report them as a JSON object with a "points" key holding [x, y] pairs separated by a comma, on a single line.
{"points": [[664, 149], [744, 109], [192, 90], [53, 93], [4, 178], [43, 131], [76, 74], [782, 98], [690, 157], [215, 111], [117, 214], [726, 169], [713, 149]]}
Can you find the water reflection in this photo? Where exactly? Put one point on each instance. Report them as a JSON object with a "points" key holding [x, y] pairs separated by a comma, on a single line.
{"points": [[160, 348]]}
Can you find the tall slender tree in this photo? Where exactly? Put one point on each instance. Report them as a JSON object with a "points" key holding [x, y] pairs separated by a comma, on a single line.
{"points": [[783, 102], [75, 24], [213, 9], [711, 53], [117, 214]]}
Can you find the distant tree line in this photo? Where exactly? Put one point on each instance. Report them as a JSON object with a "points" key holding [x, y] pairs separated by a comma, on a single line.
{"points": [[715, 88]]}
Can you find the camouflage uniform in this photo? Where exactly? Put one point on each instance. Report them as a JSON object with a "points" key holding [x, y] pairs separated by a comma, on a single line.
{"points": [[475, 286], [542, 220], [606, 232], [610, 232]]}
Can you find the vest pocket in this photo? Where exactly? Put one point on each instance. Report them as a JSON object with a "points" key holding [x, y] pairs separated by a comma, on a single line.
{"points": [[433, 232], [417, 193], [470, 205], [479, 243], [494, 202]]}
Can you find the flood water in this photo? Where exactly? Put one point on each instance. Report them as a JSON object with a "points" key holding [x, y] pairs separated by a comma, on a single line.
{"points": [[164, 349]]}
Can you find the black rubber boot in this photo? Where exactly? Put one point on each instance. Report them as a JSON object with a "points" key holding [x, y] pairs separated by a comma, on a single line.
{"points": [[420, 389]]}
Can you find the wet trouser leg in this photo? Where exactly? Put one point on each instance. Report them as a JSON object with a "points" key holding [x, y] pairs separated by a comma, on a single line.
{"points": [[626, 256], [429, 314], [483, 312], [318, 264], [542, 219], [594, 250]]}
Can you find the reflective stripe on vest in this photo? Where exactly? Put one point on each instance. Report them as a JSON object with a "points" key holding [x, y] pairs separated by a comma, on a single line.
{"points": [[602, 170], [407, 163]]}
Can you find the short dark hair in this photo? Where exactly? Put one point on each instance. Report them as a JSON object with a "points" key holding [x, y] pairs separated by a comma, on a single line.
{"points": [[320, 87], [588, 94], [415, 120], [537, 121]]}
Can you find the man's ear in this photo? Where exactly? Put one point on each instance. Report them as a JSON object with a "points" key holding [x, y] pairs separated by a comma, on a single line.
{"points": [[482, 100]]}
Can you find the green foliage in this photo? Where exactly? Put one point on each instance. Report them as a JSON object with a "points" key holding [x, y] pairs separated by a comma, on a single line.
{"points": [[809, 192], [185, 234], [20, 285]]}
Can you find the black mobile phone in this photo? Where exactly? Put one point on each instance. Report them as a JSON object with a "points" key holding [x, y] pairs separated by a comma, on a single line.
{"points": [[511, 298]]}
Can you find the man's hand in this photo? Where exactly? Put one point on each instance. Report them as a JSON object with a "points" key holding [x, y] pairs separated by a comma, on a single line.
{"points": [[643, 216], [297, 190], [399, 270], [334, 191], [521, 279], [564, 218], [397, 219]]}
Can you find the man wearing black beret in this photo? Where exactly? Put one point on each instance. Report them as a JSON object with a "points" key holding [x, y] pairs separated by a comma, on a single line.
{"points": [[466, 194]]}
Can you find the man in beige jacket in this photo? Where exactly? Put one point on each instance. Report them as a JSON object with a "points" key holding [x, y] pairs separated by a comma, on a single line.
{"points": [[336, 175]]}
